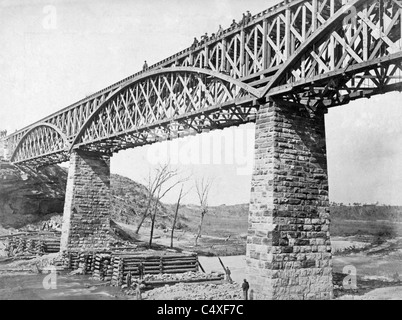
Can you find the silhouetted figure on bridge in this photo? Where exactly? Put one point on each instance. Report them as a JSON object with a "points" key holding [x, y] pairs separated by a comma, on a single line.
{"points": [[204, 38], [243, 20], [195, 43], [234, 24], [145, 67], [220, 31], [248, 17]]}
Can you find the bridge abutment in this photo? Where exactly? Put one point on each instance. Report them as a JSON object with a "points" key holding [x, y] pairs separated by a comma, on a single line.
{"points": [[86, 219], [288, 246]]}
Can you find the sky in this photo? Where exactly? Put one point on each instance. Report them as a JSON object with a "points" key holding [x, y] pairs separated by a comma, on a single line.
{"points": [[54, 53]]}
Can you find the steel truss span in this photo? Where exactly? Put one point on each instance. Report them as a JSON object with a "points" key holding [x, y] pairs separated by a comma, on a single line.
{"points": [[315, 53]]}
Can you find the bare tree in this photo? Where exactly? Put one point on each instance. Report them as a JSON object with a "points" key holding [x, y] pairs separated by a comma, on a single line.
{"points": [[154, 184], [181, 196], [163, 176], [202, 187]]}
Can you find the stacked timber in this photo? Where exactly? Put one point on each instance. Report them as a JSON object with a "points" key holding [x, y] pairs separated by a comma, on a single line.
{"points": [[51, 245], [153, 264], [102, 267], [113, 267], [180, 264], [32, 244], [85, 262]]}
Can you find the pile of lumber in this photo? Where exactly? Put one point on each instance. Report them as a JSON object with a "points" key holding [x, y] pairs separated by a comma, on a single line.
{"points": [[153, 264], [103, 267], [113, 267], [29, 244]]}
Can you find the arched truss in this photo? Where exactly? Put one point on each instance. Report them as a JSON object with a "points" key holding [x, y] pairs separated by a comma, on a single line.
{"points": [[166, 104], [357, 53], [43, 142], [299, 52]]}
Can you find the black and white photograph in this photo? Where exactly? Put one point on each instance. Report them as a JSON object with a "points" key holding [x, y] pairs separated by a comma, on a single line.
{"points": [[219, 152]]}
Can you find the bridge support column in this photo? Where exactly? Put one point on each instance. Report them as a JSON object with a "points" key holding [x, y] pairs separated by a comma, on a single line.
{"points": [[288, 246], [86, 220]]}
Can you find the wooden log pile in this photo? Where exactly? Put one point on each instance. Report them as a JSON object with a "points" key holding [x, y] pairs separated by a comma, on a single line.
{"points": [[113, 267], [32, 244], [153, 264], [102, 267]]}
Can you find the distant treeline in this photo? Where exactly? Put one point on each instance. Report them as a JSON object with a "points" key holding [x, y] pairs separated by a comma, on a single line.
{"points": [[366, 212]]}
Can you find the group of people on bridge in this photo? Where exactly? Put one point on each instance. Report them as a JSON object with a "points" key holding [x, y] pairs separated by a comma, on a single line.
{"points": [[247, 17]]}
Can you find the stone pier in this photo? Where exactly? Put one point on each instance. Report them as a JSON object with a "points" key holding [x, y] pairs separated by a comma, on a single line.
{"points": [[86, 220], [288, 245]]}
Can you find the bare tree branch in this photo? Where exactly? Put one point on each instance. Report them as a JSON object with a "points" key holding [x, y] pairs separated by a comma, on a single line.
{"points": [[181, 196], [203, 187]]}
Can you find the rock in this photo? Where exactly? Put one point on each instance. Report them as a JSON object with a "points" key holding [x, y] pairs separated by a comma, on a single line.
{"points": [[79, 271], [27, 195]]}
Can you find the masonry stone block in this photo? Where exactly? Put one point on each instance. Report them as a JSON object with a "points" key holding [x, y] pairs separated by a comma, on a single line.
{"points": [[288, 246], [86, 219]]}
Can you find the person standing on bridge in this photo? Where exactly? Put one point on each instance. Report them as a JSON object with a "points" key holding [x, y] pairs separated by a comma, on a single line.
{"points": [[220, 31], [195, 44], [248, 17], [243, 20], [204, 38], [234, 24], [145, 67]]}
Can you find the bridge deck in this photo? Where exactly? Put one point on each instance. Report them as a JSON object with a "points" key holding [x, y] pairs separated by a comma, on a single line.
{"points": [[314, 53]]}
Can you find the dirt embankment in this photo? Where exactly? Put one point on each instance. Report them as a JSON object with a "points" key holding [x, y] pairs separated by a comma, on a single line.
{"points": [[28, 196]]}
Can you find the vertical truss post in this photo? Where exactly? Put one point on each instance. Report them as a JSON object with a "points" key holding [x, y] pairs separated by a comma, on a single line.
{"points": [[242, 52], [314, 22], [287, 34], [265, 45]]}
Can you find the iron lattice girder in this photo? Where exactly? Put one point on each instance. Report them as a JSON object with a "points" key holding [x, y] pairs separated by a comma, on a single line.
{"points": [[251, 52], [310, 52], [186, 96], [336, 88], [341, 46], [43, 139], [162, 97], [218, 117]]}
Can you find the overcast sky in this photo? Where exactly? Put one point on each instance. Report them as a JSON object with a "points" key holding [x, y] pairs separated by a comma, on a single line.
{"points": [[54, 53]]}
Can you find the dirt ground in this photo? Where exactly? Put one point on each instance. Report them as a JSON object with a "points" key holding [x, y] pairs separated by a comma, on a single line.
{"points": [[377, 262], [207, 245]]}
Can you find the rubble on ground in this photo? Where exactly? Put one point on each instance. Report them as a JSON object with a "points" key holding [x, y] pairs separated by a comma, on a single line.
{"points": [[35, 265], [188, 276], [202, 291]]}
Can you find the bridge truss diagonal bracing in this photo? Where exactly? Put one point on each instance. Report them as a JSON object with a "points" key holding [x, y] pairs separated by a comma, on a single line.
{"points": [[314, 53], [360, 56], [45, 140], [167, 104]]}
